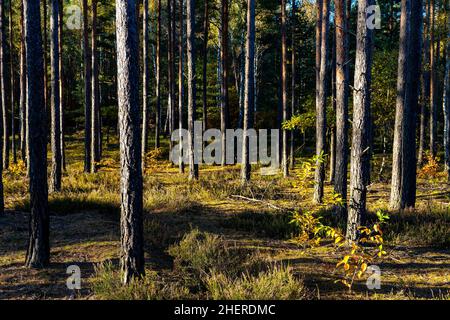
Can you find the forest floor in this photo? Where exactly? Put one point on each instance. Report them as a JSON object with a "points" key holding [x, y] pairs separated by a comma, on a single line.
{"points": [[85, 231]]}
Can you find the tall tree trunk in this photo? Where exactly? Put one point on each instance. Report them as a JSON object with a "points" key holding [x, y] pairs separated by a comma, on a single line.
{"points": [[446, 106], [360, 156], [158, 79], [333, 103], [284, 153], [12, 87], [321, 101], [170, 73], [293, 83], [342, 94], [249, 89], [38, 254], [4, 75], [23, 79], [55, 184], [224, 112], [132, 235], [409, 157], [61, 83], [433, 85], [205, 65], [2, 101], [87, 90], [193, 166], [145, 82], [181, 83], [95, 112]]}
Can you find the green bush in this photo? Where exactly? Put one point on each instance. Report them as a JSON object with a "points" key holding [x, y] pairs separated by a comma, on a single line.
{"points": [[278, 283]]}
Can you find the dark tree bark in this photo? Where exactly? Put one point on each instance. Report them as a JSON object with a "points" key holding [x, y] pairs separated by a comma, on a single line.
{"points": [[45, 26], [55, 184], [181, 83], [224, 111], [321, 101], [425, 85], [132, 237], [145, 82], [433, 86], [87, 90], [3, 79], [284, 93], [95, 112], [190, 6], [205, 65], [158, 79], [333, 103], [61, 84], [409, 157], [12, 86], [23, 79], [38, 254], [360, 156], [249, 89], [342, 82]]}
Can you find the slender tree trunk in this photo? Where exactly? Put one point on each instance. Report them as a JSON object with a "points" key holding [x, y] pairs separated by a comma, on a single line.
{"points": [[342, 94], [284, 153], [95, 111], [61, 84], [12, 86], [321, 103], [293, 84], [433, 86], [38, 254], [145, 83], [132, 235], [425, 85], [333, 103], [224, 112], [87, 90], [446, 106], [55, 184], [249, 89], [158, 79], [205, 65], [170, 69], [193, 166], [360, 156], [23, 79], [181, 83], [45, 10], [3, 75]]}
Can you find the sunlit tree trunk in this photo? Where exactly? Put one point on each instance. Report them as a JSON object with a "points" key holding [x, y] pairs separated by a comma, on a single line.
{"points": [[181, 83], [360, 155], [158, 79], [321, 101], [446, 106], [293, 83], [205, 65], [3, 79], [12, 86], [190, 18], [55, 182], [425, 85], [38, 253], [433, 85], [249, 89], [23, 79], [132, 237], [342, 94], [284, 153]]}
